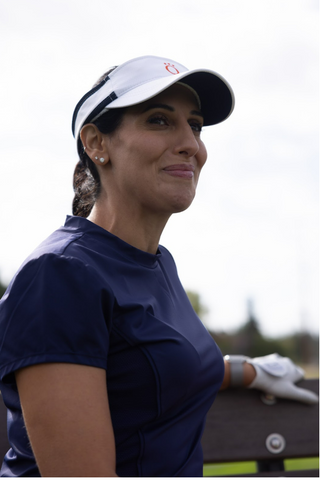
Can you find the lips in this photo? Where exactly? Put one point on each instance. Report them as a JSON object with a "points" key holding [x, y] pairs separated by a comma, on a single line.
{"points": [[182, 170]]}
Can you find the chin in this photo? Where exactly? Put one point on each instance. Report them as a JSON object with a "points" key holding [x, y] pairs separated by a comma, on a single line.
{"points": [[181, 203]]}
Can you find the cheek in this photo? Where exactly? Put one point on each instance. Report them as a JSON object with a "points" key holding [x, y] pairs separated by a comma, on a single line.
{"points": [[141, 149], [202, 155]]}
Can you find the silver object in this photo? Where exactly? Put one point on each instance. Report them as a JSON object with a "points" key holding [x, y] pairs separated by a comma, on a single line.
{"points": [[268, 399], [236, 369], [275, 443]]}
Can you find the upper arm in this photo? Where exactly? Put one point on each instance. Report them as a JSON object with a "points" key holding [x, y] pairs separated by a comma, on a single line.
{"points": [[66, 413]]}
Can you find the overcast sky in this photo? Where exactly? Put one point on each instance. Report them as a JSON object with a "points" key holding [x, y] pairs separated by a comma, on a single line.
{"points": [[252, 231]]}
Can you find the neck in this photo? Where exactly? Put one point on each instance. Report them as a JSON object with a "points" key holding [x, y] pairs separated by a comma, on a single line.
{"points": [[140, 231]]}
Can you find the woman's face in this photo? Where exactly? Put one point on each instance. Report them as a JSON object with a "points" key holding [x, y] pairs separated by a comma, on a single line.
{"points": [[156, 155]]}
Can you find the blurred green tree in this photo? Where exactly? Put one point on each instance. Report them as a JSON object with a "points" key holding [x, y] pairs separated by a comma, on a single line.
{"points": [[302, 348], [3, 288], [196, 301]]}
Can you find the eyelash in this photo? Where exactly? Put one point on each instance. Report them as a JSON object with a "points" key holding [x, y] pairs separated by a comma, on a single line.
{"points": [[197, 126], [157, 118]]}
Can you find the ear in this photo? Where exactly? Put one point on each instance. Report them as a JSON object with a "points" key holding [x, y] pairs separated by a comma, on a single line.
{"points": [[94, 142]]}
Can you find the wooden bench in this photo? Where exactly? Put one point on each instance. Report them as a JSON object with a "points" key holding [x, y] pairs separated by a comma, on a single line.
{"points": [[244, 425], [240, 425]]}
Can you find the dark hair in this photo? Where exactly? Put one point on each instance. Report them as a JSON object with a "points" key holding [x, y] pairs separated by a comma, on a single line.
{"points": [[86, 180]]}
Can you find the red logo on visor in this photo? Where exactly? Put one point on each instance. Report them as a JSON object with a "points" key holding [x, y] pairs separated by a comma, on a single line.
{"points": [[170, 67]]}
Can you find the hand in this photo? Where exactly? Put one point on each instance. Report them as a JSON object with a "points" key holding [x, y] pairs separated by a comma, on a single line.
{"points": [[277, 375]]}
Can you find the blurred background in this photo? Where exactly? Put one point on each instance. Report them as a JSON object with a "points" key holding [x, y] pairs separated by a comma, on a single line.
{"points": [[247, 249]]}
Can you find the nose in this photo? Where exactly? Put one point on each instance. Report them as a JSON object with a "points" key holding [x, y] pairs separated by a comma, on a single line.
{"points": [[186, 143]]}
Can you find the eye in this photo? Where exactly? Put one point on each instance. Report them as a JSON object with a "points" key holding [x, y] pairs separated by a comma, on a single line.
{"points": [[196, 126], [158, 120]]}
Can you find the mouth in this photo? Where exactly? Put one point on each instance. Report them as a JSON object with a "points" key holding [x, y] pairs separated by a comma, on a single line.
{"points": [[182, 170]]}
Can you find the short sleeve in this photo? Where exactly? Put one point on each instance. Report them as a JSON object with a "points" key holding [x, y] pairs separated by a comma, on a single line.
{"points": [[57, 309]]}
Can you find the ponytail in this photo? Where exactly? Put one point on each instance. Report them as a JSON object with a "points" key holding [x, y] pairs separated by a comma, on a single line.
{"points": [[86, 186]]}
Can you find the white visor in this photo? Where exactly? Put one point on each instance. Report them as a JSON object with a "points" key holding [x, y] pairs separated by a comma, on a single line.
{"points": [[142, 78]]}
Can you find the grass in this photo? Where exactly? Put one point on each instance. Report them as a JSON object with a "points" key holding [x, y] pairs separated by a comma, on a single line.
{"points": [[301, 463], [236, 468], [218, 469]]}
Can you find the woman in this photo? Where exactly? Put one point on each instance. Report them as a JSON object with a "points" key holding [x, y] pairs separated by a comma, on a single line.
{"points": [[100, 346]]}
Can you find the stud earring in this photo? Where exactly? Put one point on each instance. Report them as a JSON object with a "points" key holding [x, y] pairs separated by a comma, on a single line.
{"points": [[100, 159]]}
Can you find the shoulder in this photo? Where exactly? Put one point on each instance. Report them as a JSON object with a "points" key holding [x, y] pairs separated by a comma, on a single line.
{"points": [[61, 239], [61, 253], [166, 258], [53, 272]]}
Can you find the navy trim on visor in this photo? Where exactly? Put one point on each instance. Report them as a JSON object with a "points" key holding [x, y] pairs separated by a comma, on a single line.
{"points": [[110, 98], [83, 99]]}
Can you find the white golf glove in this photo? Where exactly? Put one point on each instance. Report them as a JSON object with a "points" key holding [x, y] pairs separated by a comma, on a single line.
{"points": [[277, 376]]}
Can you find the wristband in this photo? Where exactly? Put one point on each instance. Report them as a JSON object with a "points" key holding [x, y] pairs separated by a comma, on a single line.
{"points": [[236, 369]]}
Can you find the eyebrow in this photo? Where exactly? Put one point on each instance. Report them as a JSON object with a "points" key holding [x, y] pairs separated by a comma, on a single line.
{"points": [[168, 107]]}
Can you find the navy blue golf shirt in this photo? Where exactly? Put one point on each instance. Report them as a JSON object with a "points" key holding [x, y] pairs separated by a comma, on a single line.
{"points": [[84, 296]]}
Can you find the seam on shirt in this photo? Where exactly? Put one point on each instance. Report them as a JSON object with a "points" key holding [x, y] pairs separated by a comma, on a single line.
{"points": [[151, 362], [76, 237], [158, 387]]}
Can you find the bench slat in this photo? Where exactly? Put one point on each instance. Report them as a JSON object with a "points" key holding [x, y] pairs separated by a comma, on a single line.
{"points": [[239, 423]]}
